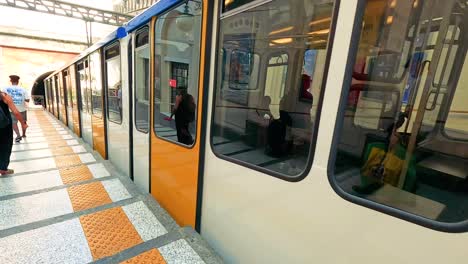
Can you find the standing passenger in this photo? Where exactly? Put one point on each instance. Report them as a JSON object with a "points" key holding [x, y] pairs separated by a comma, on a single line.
{"points": [[6, 131], [184, 111], [20, 97]]}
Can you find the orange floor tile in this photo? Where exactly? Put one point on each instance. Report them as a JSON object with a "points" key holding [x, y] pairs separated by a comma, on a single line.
{"points": [[57, 143], [151, 256], [109, 232], [75, 174], [67, 161], [62, 151], [88, 196], [53, 137]]}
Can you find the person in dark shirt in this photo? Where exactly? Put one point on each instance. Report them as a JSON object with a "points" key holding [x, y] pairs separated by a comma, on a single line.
{"points": [[6, 131], [184, 112]]}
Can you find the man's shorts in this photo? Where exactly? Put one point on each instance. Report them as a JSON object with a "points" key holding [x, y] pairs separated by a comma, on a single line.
{"points": [[23, 114]]}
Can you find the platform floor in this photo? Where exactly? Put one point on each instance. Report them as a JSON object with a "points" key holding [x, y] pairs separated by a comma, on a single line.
{"points": [[64, 204]]}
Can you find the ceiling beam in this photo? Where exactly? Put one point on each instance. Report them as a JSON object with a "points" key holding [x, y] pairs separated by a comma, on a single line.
{"points": [[65, 9]]}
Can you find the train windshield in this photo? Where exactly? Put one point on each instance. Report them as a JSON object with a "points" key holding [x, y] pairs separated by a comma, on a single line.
{"points": [[404, 139]]}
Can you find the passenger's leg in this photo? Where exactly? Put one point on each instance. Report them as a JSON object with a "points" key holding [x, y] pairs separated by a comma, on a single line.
{"points": [[6, 143], [14, 122], [25, 117]]}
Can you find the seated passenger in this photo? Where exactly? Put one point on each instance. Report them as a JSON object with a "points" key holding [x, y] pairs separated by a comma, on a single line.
{"points": [[277, 144], [384, 162]]}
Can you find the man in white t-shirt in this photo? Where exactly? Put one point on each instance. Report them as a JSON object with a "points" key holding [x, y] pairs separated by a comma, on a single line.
{"points": [[20, 98]]}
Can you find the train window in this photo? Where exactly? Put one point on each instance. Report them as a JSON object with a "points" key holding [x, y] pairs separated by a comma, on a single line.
{"points": [[61, 88], [403, 141], [142, 81], [456, 126], [113, 83], [447, 57], [177, 48], [276, 82], [229, 5], [96, 84], [243, 70], [69, 89], [272, 128], [83, 82]]}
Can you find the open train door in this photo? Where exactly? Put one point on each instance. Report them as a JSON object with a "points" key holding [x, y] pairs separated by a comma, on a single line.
{"points": [[179, 52]]}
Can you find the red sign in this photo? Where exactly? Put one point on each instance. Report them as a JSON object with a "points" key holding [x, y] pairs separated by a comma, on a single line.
{"points": [[173, 83]]}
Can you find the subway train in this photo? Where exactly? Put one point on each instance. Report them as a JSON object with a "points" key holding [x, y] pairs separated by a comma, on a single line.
{"points": [[305, 131]]}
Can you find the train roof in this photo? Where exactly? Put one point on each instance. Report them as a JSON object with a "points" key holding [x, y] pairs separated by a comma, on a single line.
{"points": [[157, 8]]}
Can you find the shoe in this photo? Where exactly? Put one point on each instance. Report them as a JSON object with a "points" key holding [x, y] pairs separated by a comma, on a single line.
{"points": [[23, 136], [6, 172], [18, 139]]}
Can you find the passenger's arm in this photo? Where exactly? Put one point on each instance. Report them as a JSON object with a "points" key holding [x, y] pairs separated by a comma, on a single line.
{"points": [[27, 96]]}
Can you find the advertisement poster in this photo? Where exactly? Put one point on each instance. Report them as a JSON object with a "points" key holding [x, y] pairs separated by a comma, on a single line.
{"points": [[415, 67]]}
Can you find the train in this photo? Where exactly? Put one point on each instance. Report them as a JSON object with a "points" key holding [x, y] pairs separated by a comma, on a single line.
{"points": [[322, 131]]}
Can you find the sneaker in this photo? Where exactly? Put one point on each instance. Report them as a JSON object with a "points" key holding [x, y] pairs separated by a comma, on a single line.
{"points": [[6, 172], [18, 139]]}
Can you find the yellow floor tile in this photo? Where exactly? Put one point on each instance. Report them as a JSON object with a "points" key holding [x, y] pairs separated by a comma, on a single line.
{"points": [[57, 143], [109, 232], [62, 151], [151, 256], [67, 161], [88, 196], [75, 174]]}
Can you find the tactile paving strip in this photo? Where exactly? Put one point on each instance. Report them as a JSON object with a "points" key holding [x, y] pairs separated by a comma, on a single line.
{"points": [[62, 151], [151, 256], [75, 174], [51, 138], [88, 196], [67, 161], [109, 232], [57, 143]]}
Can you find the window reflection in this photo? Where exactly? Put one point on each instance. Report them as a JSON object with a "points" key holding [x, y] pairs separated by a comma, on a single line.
{"points": [[83, 80], [142, 58], [95, 94], [265, 108], [402, 142], [177, 48], [113, 83]]}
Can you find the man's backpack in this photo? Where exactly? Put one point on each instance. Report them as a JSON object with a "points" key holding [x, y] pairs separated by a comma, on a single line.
{"points": [[4, 120], [189, 107]]}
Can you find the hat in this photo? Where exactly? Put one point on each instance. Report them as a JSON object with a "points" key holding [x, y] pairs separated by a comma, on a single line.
{"points": [[14, 78]]}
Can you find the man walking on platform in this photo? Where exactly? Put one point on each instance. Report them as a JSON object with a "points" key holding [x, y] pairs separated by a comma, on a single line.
{"points": [[20, 97]]}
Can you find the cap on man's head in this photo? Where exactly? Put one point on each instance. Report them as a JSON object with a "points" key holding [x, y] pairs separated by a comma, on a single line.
{"points": [[14, 78]]}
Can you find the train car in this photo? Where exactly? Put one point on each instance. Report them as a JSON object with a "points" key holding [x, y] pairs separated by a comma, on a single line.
{"points": [[289, 131]]}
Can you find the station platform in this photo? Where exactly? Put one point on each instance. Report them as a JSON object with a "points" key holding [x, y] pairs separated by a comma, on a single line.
{"points": [[65, 204]]}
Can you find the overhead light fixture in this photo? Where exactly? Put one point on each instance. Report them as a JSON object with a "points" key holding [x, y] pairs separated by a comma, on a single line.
{"points": [[286, 29], [282, 41], [389, 20], [320, 41], [320, 32], [184, 20], [320, 21]]}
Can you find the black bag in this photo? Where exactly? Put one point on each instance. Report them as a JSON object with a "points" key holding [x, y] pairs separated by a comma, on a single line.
{"points": [[189, 106], [4, 120]]}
